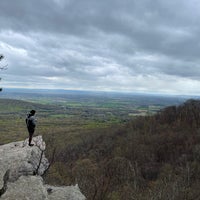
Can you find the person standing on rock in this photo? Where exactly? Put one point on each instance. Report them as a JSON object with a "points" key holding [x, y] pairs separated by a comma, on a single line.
{"points": [[31, 124]]}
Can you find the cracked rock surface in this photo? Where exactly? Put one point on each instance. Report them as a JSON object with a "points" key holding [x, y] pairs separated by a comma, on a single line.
{"points": [[18, 166]]}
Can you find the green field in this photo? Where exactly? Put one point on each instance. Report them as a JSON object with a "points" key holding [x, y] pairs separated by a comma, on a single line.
{"points": [[83, 133], [69, 114], [65, 117]]}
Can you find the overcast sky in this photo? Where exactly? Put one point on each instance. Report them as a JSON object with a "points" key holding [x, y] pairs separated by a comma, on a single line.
{"points": [[148, 46]]}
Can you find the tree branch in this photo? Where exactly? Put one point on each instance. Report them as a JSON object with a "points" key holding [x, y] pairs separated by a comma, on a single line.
{"points": [[4, 67]]}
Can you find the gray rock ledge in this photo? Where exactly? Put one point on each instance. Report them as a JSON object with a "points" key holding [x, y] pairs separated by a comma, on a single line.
{"points": [[20, 174]]}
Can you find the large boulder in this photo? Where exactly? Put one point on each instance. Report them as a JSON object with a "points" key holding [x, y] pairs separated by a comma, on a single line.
{"points": [[21, 167]]}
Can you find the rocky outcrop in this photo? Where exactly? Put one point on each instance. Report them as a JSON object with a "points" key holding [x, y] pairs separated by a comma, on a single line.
{"points": [[21, 167]]}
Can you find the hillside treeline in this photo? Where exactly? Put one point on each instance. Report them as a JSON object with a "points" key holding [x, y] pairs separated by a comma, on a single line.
{"points": [[149, 158]]}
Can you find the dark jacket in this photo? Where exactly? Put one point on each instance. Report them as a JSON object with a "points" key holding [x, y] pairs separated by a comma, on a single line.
{"points": [[30, 122]]}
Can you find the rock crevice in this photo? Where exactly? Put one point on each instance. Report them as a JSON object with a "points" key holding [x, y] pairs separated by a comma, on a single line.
{"points": [[21, 167]]}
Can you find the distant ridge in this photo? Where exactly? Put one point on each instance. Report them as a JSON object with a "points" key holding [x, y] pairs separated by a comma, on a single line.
{"points": [[67, 91]]}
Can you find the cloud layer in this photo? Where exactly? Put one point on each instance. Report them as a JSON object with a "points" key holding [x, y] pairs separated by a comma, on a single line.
{"points": [[137, 46]]}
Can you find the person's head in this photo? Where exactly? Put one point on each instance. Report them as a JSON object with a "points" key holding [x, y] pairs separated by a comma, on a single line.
{"points": [[32, 112]]}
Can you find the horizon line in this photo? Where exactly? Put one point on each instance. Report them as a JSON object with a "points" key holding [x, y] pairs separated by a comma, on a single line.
{"points": [[101, 91]]}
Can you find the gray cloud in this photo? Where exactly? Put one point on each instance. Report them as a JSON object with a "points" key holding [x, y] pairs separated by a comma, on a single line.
{"points": [[147, 45]]}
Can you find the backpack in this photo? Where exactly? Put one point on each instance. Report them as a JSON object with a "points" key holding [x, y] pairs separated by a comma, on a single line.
{"points": [[29, 122]]}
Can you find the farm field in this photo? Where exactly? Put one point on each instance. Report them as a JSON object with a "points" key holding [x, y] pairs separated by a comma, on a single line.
{"points": [[62, 113], [83, 131], [70, 112]]}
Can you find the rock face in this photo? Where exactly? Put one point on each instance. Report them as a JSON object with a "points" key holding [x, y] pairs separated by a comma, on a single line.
{"points": [[21, 167]]}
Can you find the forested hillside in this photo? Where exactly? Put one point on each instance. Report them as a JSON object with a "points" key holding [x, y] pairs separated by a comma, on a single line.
{"points": [[155, 157]]}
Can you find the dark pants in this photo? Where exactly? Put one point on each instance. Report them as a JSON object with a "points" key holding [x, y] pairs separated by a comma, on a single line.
{"points": [[31, 132]]}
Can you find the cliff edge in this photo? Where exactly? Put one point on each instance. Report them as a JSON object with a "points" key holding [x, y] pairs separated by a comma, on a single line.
{"points": [[21, 167]]}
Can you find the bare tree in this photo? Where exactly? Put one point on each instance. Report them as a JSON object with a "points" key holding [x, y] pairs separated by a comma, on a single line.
{"points": [[2, 67]]}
